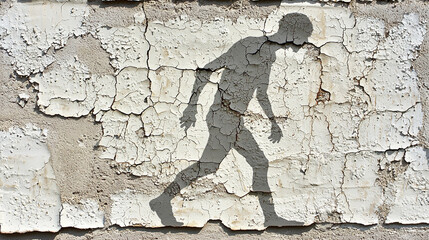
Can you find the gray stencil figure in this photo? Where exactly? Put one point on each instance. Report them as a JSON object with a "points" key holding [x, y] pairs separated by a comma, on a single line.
{"points": [[246, 69]]}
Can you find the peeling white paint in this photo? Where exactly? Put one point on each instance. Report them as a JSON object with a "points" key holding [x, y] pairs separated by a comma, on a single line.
{"points": [[127, 46], [27, 35], [84, 215], [23, 99], [132, 91], [70, 90], [29, 195], [410, 190]]}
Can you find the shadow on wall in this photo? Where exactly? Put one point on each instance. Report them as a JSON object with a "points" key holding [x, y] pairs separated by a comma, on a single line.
{"points": [[246, 69]]}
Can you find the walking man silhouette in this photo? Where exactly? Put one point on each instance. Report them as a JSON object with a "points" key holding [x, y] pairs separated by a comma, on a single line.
{"points": [[246, 69]]}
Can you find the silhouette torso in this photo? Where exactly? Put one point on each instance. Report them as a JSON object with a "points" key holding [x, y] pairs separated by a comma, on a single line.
{"points": [[247, 67]]}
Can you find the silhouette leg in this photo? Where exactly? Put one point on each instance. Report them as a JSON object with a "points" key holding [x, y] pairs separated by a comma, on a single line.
{"points": [[210, 160], [248, 147]]}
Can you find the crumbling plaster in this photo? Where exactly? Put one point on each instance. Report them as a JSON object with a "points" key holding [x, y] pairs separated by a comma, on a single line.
{"points": [[105, 95]]}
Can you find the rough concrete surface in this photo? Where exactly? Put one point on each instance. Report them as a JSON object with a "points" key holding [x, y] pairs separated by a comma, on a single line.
{"points": [[196, 119]]}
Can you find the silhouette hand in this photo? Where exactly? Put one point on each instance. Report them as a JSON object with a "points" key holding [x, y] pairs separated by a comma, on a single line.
{"points": [[276, 133], [188, 119]]}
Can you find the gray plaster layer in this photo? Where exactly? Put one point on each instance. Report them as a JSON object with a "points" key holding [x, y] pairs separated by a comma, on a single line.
{"points": [[217, 231]]}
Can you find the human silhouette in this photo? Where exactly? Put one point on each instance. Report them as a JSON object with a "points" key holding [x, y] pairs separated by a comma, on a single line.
{"points": [[246, 69]]}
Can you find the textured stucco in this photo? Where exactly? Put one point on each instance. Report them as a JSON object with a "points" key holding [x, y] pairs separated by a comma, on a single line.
{"points": [[107, 107]]}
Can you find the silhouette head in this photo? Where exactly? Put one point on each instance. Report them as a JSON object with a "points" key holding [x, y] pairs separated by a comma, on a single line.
{"points": [[293, 28]]}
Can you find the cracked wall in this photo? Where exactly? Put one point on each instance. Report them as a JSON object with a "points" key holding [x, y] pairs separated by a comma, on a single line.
{"points": [[116, 85]]}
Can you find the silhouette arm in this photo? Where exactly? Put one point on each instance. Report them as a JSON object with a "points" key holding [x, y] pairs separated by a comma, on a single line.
{"points": [[203, 76], [264, 101], [188, 119], [201, 79]]}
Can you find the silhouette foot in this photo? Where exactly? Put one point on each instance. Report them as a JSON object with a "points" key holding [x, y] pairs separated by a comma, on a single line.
{"points": [[276, 221], [162, 206]]}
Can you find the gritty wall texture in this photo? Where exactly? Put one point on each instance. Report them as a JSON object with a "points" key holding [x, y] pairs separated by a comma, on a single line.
{"points": [[107, 106]]}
